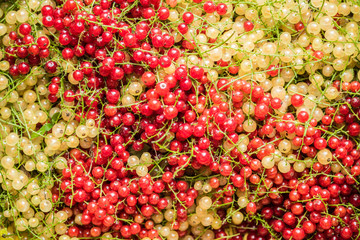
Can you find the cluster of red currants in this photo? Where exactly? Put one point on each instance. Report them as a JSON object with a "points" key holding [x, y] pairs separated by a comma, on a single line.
{"points": [[192, 125]]}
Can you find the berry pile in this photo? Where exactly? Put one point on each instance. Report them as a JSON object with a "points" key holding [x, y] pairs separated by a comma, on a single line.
{"points": [[124, 119]]}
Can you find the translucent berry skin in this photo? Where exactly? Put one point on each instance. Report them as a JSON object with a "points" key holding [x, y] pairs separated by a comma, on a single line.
{"points": [[354, 129], [299, 26], [221, 8], [248, 26], [209, 7]]}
